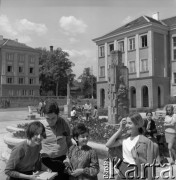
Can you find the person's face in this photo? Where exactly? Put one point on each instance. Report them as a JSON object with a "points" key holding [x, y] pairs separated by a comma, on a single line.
{"points": [[169, 110], [131, 127], [149, 116], [83, 139], [51, 119], [37, 138]]}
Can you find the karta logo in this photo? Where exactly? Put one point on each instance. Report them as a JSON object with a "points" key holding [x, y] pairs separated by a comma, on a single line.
{"points": [[111, 169]]}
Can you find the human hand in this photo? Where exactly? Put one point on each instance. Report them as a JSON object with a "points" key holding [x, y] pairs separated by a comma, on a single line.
{"points": [[77, 172], [34, 176], [123, 123]]}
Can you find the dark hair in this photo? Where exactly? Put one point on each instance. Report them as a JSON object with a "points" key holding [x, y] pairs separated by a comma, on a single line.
{"points": [[149, 112], [170, 106], [73, 108], [78, 130], [95, 106], [51, 106], [32, 129]]}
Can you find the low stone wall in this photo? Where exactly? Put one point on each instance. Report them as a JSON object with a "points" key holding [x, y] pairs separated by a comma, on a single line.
{"points": [[6, 102]]}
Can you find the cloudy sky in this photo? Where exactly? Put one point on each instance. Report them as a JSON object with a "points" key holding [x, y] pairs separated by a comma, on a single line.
{"points": [[72, 24]]}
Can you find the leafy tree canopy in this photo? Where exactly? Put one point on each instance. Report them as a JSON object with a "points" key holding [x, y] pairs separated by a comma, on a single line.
{"points": [[52, 71]]}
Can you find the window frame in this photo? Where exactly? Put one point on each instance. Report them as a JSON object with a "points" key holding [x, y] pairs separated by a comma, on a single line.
{"points": [[102, 71], [131, 45], [109, 49], [174, 43], [141, 43], [119, 47], [21, 80], [132, 61], [102, 51], [9, 80], [141, 65]]}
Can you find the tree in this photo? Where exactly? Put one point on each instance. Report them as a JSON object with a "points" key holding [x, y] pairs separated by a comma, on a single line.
{"points": [[52, 71], [88, 81]]}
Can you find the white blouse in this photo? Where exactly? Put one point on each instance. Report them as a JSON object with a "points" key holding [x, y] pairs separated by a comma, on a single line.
{"points": [[127, 146]]}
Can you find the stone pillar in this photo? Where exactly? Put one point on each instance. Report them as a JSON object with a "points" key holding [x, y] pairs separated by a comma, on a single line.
{"points": [[118, 106]]}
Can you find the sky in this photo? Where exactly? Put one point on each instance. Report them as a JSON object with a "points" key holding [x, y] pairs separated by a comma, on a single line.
{"points": [[72, 24]]}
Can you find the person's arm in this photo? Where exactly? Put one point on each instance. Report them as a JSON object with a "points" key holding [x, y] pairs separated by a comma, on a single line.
{"points": [[68, 135], [116, 139], [94, 168], [14, 159]]}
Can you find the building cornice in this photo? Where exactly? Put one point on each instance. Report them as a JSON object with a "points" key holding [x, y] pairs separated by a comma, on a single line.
{"points": [[132, 30]]}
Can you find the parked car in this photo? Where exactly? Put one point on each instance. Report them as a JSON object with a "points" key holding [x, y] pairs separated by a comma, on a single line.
{"points": [[162, 112]]}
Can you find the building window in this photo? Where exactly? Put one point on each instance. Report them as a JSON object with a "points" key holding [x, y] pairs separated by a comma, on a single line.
{"points": [[24, 92], [131, 44], [31, 81], [31, 58], [21, 80], [31, 70], [174, 54], [110, 48], [10, 92], [9, 56], [101, 51], [174, 78], [20, 69], [9, 80], [9, 68], [18, 93], [132, 68], [174, 41], [21, 57], [144, 65], [102, 71], [143, 41], [121, 46], [31, 92]]}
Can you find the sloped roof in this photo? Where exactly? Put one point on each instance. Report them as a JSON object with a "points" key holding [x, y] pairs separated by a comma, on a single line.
{"points": [[13, 43], [131, 25], [170, 21]]}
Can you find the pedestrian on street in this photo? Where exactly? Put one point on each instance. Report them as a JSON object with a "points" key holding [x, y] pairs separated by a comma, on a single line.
{"points": [[25, 157], [87, 109], [57, 142], [170, 131]]}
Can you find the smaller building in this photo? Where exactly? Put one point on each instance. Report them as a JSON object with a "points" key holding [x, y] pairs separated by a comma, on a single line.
{"points": [[19, 69]]}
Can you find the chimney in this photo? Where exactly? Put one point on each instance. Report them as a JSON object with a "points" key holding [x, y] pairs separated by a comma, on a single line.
{"points": [[156, 16], [51, 48], [1, 37]]}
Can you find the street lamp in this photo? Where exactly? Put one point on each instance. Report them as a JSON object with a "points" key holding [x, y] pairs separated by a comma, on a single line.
{"points": [[67, 107], [68, 72]]}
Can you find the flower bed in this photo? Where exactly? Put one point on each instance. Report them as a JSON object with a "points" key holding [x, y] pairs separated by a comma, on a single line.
{"points": [[100, 130]]}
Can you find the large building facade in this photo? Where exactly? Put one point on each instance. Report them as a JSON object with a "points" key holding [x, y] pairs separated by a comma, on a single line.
{"points": [[148, 47], [19, 69]]}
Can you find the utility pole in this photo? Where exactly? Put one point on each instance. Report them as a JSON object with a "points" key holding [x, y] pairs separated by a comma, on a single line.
{"points": [[92, 80]]}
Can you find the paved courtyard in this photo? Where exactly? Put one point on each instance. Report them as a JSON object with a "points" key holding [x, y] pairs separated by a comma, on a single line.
{"points": [[12, 117]]}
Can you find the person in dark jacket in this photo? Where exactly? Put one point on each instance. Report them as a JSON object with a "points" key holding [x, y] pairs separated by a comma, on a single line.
{"points": [[150, 127]]}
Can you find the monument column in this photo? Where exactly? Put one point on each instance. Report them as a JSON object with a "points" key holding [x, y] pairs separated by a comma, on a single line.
{"points": [[117, 89]]}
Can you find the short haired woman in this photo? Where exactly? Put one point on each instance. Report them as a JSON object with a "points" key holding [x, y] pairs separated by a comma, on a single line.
{"points": [[25, 157]]}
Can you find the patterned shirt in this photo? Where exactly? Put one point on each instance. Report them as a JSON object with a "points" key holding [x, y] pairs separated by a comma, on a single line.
{"points": [[85, 158]]}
